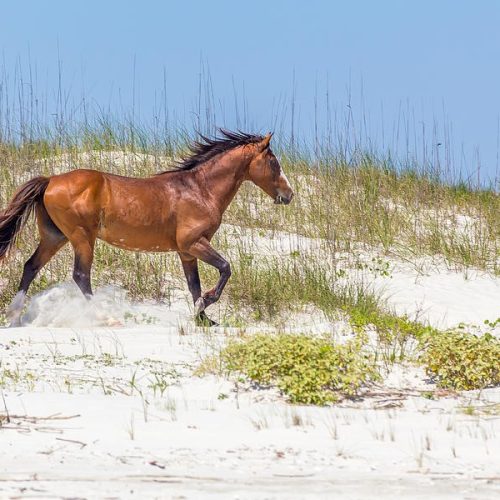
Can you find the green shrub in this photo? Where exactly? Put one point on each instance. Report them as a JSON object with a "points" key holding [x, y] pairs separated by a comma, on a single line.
{"points": [[308, 370], [389, 327], [462, 361], [395, 333]]}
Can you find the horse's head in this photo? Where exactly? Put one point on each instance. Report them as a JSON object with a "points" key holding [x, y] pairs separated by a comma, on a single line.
{"points": [[266, 172]]}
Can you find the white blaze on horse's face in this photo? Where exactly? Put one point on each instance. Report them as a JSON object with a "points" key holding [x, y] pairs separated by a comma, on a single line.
{"points": [[284, 190], [266, 172]]}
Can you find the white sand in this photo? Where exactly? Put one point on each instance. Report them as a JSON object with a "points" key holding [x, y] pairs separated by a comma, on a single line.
{"points": [[103, 402], [202, 438]]}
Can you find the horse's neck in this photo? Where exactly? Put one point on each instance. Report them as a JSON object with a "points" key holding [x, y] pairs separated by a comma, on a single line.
{"points": [[223, 177]]}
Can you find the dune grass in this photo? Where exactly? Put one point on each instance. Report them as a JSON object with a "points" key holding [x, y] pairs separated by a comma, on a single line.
{"points": [[340, 209], [401, 212], [370, 204]]}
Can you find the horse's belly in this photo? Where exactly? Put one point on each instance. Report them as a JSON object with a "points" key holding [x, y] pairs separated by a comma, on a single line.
{"points": [[147, 239]]}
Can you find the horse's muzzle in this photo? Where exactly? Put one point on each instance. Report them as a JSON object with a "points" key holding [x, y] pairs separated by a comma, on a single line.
{"points": [[282, 200]]}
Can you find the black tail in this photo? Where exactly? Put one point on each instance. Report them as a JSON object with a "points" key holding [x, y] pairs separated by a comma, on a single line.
{"points": [[16, 214]]}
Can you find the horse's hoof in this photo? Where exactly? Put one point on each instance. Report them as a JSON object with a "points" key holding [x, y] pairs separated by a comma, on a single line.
{"points": [[204, 321], [199, 307], [14, 318], [14, 322], [15, 309]]}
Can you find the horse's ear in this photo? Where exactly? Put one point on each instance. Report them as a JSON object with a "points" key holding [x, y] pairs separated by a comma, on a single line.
{"points": [[264, 144]]}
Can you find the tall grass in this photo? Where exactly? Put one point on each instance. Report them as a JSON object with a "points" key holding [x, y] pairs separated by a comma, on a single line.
{"points": [[348, 196], [402, 213]]}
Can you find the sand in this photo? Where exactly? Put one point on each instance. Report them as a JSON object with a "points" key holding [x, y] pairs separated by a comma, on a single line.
{"points": [[103, 403]]}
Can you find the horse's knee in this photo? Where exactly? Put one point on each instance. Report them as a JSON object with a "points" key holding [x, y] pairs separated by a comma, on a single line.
{"points": [[225, 269]]}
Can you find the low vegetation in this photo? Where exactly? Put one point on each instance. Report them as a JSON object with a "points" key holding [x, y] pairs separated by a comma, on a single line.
{"points": [[307, 370], [315, 370], [462, 361], [272, 288]]}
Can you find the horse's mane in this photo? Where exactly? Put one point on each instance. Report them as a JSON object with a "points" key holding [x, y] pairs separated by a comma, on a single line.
{"points": [[205, 148]]}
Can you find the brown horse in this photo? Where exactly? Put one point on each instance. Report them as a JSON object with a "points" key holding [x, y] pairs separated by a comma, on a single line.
{"points": [[177, 210]]}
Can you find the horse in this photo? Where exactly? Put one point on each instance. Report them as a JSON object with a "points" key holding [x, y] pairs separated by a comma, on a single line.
{"points": [[177, 210]]}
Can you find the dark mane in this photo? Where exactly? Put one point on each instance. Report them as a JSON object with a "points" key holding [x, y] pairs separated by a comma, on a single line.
{"points": [[205, 148]]}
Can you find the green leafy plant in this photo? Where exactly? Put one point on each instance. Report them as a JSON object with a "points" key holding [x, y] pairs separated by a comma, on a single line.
{"points": [[308, 370], [396, 334], [462, 361], [492, 324], [161, 379]]}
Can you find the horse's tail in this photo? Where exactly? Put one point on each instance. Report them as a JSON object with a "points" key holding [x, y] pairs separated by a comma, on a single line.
{"points": [[16, 214]]}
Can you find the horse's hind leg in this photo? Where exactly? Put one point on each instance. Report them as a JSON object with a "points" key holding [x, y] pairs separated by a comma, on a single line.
{"points": [[83, 245], [51, 240]]}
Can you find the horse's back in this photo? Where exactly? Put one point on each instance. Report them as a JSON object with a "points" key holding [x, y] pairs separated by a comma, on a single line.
{"points": [[74, 183], [133, 213]]}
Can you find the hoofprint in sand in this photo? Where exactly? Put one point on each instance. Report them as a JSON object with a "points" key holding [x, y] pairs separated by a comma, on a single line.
{"points": [[102, 401]]}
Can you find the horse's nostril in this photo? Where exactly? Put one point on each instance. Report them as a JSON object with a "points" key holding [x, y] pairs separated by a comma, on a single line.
{"points": [[283, 200]]}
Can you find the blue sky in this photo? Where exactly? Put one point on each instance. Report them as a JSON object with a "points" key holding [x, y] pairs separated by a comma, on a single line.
{"points": [[394, 69]]}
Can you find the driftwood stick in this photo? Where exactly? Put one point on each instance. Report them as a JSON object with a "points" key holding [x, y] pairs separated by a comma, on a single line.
{"points": [[74, 441]]}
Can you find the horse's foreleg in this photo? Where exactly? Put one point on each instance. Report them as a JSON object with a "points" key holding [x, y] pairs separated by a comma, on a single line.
{"points": [[204, 251], [190, 267]]}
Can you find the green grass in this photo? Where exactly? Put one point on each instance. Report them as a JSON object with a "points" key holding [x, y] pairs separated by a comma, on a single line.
{"points": [[370, 204], [402, 213], [346, 208], [276, 288]]}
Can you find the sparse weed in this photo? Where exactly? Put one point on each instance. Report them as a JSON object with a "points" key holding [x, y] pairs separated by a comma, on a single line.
{"points": [[396, 334], [15, 378], [260, 421], [170, 405], [161, 380], [273, 288]]}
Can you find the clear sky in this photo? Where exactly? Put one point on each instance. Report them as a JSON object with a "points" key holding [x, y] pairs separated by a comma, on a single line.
{"points": [[405, 68]]}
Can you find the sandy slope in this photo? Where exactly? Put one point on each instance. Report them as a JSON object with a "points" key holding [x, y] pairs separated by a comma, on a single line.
{"points": [[100, 408]]}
